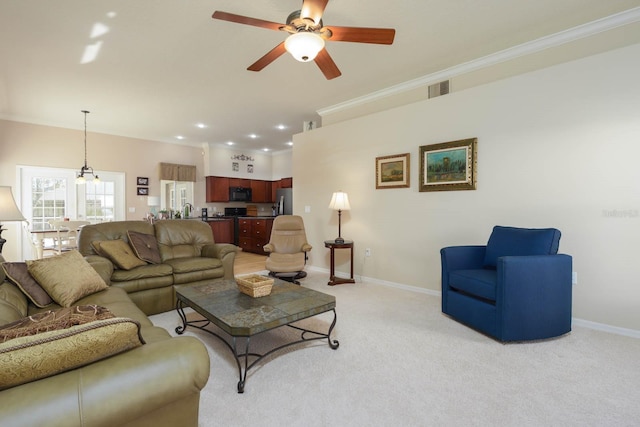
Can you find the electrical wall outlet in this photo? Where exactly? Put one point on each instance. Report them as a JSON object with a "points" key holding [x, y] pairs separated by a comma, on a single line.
{"points": [[367, 252], [574, 278]]}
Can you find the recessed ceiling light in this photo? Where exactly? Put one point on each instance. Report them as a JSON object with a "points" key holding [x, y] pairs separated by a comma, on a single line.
{"points": [[281, 127], [111, 14], [290, 143], [265, 149], [180, 137], [230, 143], [201, 125], [253, 136]]}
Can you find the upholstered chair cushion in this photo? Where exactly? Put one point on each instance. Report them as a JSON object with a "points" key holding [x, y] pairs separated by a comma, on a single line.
{"points": [[511, 241]]}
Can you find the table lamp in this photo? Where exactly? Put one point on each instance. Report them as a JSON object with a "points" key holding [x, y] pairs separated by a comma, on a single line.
{"points": [[8, 210], [339, 202]]}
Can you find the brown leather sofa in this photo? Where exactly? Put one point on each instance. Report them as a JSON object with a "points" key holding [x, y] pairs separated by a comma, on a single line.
{"points": [[156, 384], [188, 255]]}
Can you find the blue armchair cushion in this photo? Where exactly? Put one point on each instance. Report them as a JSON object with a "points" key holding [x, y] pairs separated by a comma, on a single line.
{"points": [[479, 283], [511, 241]]}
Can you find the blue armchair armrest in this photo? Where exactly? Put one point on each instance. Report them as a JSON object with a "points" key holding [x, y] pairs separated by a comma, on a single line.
{"points": [[533, 296]]}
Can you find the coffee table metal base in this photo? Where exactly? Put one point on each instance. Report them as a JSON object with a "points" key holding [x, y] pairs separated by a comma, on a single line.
{"points": [[246, 355]]}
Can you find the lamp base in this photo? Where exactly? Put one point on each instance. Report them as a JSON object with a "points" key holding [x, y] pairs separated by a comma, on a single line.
{"points": [[339, 240], [2, 240]]}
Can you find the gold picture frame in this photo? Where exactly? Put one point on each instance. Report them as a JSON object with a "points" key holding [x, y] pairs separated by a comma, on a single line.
{"points": [[449, 166], [393, 171]]}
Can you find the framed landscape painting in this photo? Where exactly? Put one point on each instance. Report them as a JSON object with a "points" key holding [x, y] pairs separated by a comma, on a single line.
{"points": [[449, 165], [392, 171]]}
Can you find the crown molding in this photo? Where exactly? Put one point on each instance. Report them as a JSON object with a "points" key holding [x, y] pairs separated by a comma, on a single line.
{"points": [[547, 42]]}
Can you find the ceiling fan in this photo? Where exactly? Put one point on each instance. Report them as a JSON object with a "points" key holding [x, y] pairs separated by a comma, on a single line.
{"points": [[308, 35]]}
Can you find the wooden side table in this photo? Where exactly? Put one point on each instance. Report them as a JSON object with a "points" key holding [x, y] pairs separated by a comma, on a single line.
{"points": [[332, 245]]}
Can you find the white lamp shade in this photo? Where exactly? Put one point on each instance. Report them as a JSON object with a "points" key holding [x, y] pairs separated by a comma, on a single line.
{"points": [[8, 209], [304, 46], [340, 201]]}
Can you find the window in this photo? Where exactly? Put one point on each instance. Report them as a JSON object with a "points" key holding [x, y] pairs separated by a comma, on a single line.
{"points": [[98, 201], [52, 194], [175, 194], [48, 201]]}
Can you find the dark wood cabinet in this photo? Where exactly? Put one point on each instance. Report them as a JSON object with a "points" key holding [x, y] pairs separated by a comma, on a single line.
{"points": [[239, 182], [286, 183], [261, 191], [222, 230], [217, 189], [254, 233]]}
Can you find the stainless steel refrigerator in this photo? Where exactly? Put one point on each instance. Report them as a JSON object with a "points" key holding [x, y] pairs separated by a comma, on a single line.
{"points": [[284, 201]]}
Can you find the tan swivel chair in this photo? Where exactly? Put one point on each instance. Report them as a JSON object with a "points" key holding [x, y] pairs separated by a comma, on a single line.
{"points": [[287, 248]]}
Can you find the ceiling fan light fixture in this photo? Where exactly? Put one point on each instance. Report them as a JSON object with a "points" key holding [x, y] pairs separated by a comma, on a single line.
{"points": [[304, 46]]}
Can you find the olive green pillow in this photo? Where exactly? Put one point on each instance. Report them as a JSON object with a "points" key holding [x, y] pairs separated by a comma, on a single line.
{"points": [[120, 253], [18, 274], [145, 246], [66, 278], [34, 356]]}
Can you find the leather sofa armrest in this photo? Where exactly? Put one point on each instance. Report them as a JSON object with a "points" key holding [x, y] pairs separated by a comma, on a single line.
{"points": [[226, 252], [118, 389], [102, 265], [218, 250]]}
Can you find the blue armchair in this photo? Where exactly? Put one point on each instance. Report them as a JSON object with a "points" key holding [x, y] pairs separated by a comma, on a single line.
{"points": [[516, 288]]}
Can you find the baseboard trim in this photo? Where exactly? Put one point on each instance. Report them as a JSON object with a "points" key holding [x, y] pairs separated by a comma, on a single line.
{"points": [[633, 333], [606, 328]]}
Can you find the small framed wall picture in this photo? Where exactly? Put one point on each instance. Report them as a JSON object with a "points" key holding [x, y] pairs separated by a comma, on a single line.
{"points": [[143, 191], [392, 171], [143, 181]]}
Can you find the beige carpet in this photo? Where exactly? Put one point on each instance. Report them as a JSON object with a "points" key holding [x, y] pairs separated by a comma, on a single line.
{"points": [[402, 363]]}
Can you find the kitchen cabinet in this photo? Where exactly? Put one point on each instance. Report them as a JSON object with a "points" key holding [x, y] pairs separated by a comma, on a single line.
{"points": [[222, 230], [217, 189], [261, 191], [286, 183], [239, 182], [254, 233]]}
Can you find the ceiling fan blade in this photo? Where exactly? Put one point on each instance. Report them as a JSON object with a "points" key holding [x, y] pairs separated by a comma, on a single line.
{"points": [[362, 35], [239, 19], [271, 56], [313, 9], [327, 66]]}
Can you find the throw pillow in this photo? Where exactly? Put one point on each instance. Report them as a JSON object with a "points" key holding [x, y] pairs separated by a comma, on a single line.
{"points": [[145, 246], [32, 357], [52, 320], [18, 274], [66, 278], [120, 253]]}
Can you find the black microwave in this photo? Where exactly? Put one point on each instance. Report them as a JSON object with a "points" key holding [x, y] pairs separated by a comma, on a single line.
{"points": [[239, 194]]}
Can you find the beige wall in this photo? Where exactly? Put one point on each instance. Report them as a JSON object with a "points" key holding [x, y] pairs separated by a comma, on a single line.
{"points": [[557, 147], [35, 145]]}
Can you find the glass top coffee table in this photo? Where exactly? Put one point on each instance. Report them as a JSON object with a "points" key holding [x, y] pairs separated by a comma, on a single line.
{"points": [[241, 316]]}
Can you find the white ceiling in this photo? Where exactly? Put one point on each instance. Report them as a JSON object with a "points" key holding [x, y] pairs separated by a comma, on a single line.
{"points": [[165, 65]]}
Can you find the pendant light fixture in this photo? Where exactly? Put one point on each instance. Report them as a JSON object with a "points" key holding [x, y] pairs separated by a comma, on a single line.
{"points": [[80, 178]]}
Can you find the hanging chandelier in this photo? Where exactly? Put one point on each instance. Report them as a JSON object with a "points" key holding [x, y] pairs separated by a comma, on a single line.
{"points": [[80, 178]]}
